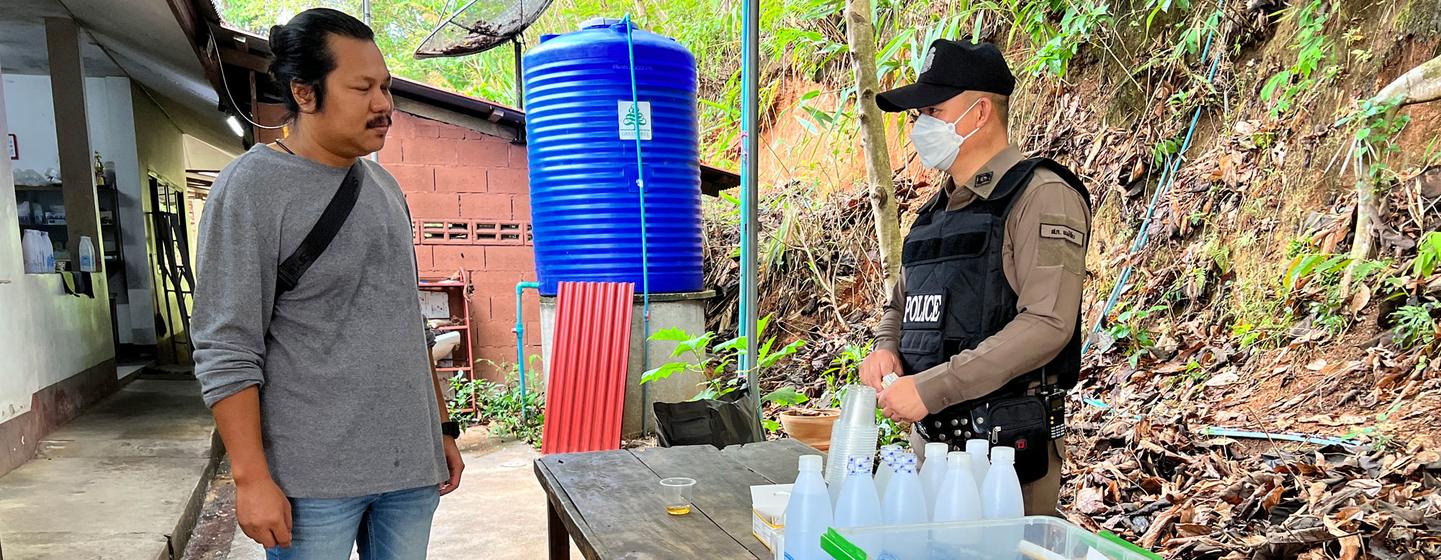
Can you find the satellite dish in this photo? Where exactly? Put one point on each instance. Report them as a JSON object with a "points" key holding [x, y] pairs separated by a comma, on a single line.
{"points": [[479, 26]]}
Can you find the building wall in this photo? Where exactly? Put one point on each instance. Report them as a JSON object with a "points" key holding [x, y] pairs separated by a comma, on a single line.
{"points": [[47, 339], [460, 179], [160, 148]]}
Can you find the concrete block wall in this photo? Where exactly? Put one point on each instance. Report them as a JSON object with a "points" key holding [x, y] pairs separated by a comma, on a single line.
{"points": [[461, 180]]}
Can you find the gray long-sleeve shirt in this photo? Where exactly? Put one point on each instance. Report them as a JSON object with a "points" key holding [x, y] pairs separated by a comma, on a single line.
{"points": [[346, 400]]}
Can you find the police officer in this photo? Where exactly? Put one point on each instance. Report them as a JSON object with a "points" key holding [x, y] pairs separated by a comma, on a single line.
{"points": [[984, 328]]}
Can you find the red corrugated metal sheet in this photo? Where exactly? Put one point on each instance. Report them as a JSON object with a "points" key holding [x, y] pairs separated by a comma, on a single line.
{"points": [[586, 390]]}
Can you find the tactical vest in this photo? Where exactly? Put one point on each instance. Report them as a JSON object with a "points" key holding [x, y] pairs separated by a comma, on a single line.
{"points": [[956, 290]]}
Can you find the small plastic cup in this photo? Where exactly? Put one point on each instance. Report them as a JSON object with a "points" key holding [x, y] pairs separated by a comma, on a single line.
{"points": [[676, 492]]}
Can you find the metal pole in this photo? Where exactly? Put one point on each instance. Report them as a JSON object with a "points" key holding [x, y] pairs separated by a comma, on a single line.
{"points": [[750, 59], [519, 76]]}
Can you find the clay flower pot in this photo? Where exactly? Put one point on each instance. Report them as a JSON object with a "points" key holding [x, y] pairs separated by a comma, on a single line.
{"points": [[810, 426]]}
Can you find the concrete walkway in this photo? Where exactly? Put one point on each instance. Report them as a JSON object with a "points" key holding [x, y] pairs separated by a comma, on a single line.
{"points": [[498, 513], [116, 483]]}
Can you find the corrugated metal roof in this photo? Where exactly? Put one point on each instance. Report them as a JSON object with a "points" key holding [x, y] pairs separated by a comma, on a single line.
{"points": [[586, 390]]}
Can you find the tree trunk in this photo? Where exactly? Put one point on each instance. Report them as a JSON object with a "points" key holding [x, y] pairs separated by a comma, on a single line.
{"points": [[1420, 85], [861, 35]]}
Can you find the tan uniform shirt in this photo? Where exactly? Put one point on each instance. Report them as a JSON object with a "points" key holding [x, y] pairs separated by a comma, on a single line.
{"points": [[1044, 263]]}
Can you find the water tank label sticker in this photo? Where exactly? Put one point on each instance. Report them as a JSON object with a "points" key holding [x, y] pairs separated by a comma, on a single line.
{"points": [[629, 114]]}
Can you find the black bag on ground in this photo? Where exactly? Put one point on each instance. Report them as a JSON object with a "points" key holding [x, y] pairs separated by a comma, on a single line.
{"points": [[728, 421]]}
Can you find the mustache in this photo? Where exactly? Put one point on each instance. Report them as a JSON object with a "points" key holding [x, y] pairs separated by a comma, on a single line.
{"points": [[377, 122]]}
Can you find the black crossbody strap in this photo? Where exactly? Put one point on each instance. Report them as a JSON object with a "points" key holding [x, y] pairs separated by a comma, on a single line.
{"points": [[321, 234]]}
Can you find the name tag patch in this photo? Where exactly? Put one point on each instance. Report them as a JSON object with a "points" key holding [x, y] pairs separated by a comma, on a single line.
{"points": [[924, 309], [1059, 231]]}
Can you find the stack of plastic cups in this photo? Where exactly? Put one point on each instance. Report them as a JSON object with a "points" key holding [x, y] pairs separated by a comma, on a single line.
{"points": [[853, 435]]}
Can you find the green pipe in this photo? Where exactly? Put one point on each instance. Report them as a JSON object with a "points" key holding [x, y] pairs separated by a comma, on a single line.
{"points": [[520, 339]]}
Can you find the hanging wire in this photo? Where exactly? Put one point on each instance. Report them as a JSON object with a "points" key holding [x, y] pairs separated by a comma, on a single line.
{"points": [[225, 85]]}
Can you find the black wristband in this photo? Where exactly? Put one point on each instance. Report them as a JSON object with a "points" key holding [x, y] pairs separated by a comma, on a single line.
{"points": [[451, 429]]}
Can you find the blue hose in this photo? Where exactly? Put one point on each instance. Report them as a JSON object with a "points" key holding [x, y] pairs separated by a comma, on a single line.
{"points": [[750, 31], [1168, 177], [644, 237], [520, 338]]}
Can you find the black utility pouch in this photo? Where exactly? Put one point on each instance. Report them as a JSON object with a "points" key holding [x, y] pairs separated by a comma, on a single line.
{"points": [[1022, 423]]}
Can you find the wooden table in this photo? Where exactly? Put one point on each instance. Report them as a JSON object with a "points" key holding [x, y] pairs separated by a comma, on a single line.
{"points": [[610, 502]]}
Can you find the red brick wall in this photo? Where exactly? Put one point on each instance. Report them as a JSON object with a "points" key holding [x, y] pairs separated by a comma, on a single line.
{"points": [[468, 193]]}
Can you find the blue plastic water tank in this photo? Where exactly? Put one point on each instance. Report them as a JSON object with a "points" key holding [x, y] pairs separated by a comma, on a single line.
{"points": [[585, 204]]}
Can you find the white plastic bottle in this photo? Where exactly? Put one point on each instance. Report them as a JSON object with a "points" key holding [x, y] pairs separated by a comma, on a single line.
{"points": [[30, 247], [47, 252], [958, 499], [887, 467], [933, 471], [860, 506], [904, 504], [808, 512], [905, 501], [87, 254], [980, 462], [1001, 493]]}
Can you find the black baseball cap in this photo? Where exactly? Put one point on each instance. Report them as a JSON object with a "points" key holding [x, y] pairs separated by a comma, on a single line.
{"points": [[952, 67]]}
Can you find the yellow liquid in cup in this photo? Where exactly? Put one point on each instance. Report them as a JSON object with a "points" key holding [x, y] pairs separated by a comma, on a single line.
{"points": [[678, 510]]}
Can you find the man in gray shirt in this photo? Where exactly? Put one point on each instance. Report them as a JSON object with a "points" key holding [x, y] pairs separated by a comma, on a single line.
{"points": [[324, 394]]}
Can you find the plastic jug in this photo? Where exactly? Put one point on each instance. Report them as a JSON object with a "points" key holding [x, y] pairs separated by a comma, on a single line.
{"points": [[958, 499], [859, 506], [87, 254], [889, 454], [30, 250], [905, 501], [905, 504], [47, 252], [980, 462], [808, 512], [1001, 493], [933, 471]]}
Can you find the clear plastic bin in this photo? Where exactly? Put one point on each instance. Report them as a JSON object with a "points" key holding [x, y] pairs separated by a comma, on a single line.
{"points": [[1027, 538]]}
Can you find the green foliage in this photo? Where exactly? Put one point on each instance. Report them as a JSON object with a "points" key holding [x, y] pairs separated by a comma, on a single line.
{"points": [[1158, 7], [1414, 325], [1314, 280], [1078, 24], [1312, 49], [889, 431], [1376, 123], [1131, 334], [844, 370], [1165, 149], [1309, 265], [716, 365], [1428, 254], [500, 404], [785, 397]]}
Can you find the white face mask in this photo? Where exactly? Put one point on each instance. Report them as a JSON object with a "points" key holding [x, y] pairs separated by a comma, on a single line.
{"points": [[937, 142]]}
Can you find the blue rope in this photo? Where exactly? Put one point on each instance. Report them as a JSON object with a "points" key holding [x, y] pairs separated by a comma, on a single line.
{"points": [[1168, 178], [644, 236]]}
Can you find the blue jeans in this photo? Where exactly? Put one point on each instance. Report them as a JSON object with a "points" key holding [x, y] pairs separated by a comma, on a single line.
{"points": [[389, 526]]}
